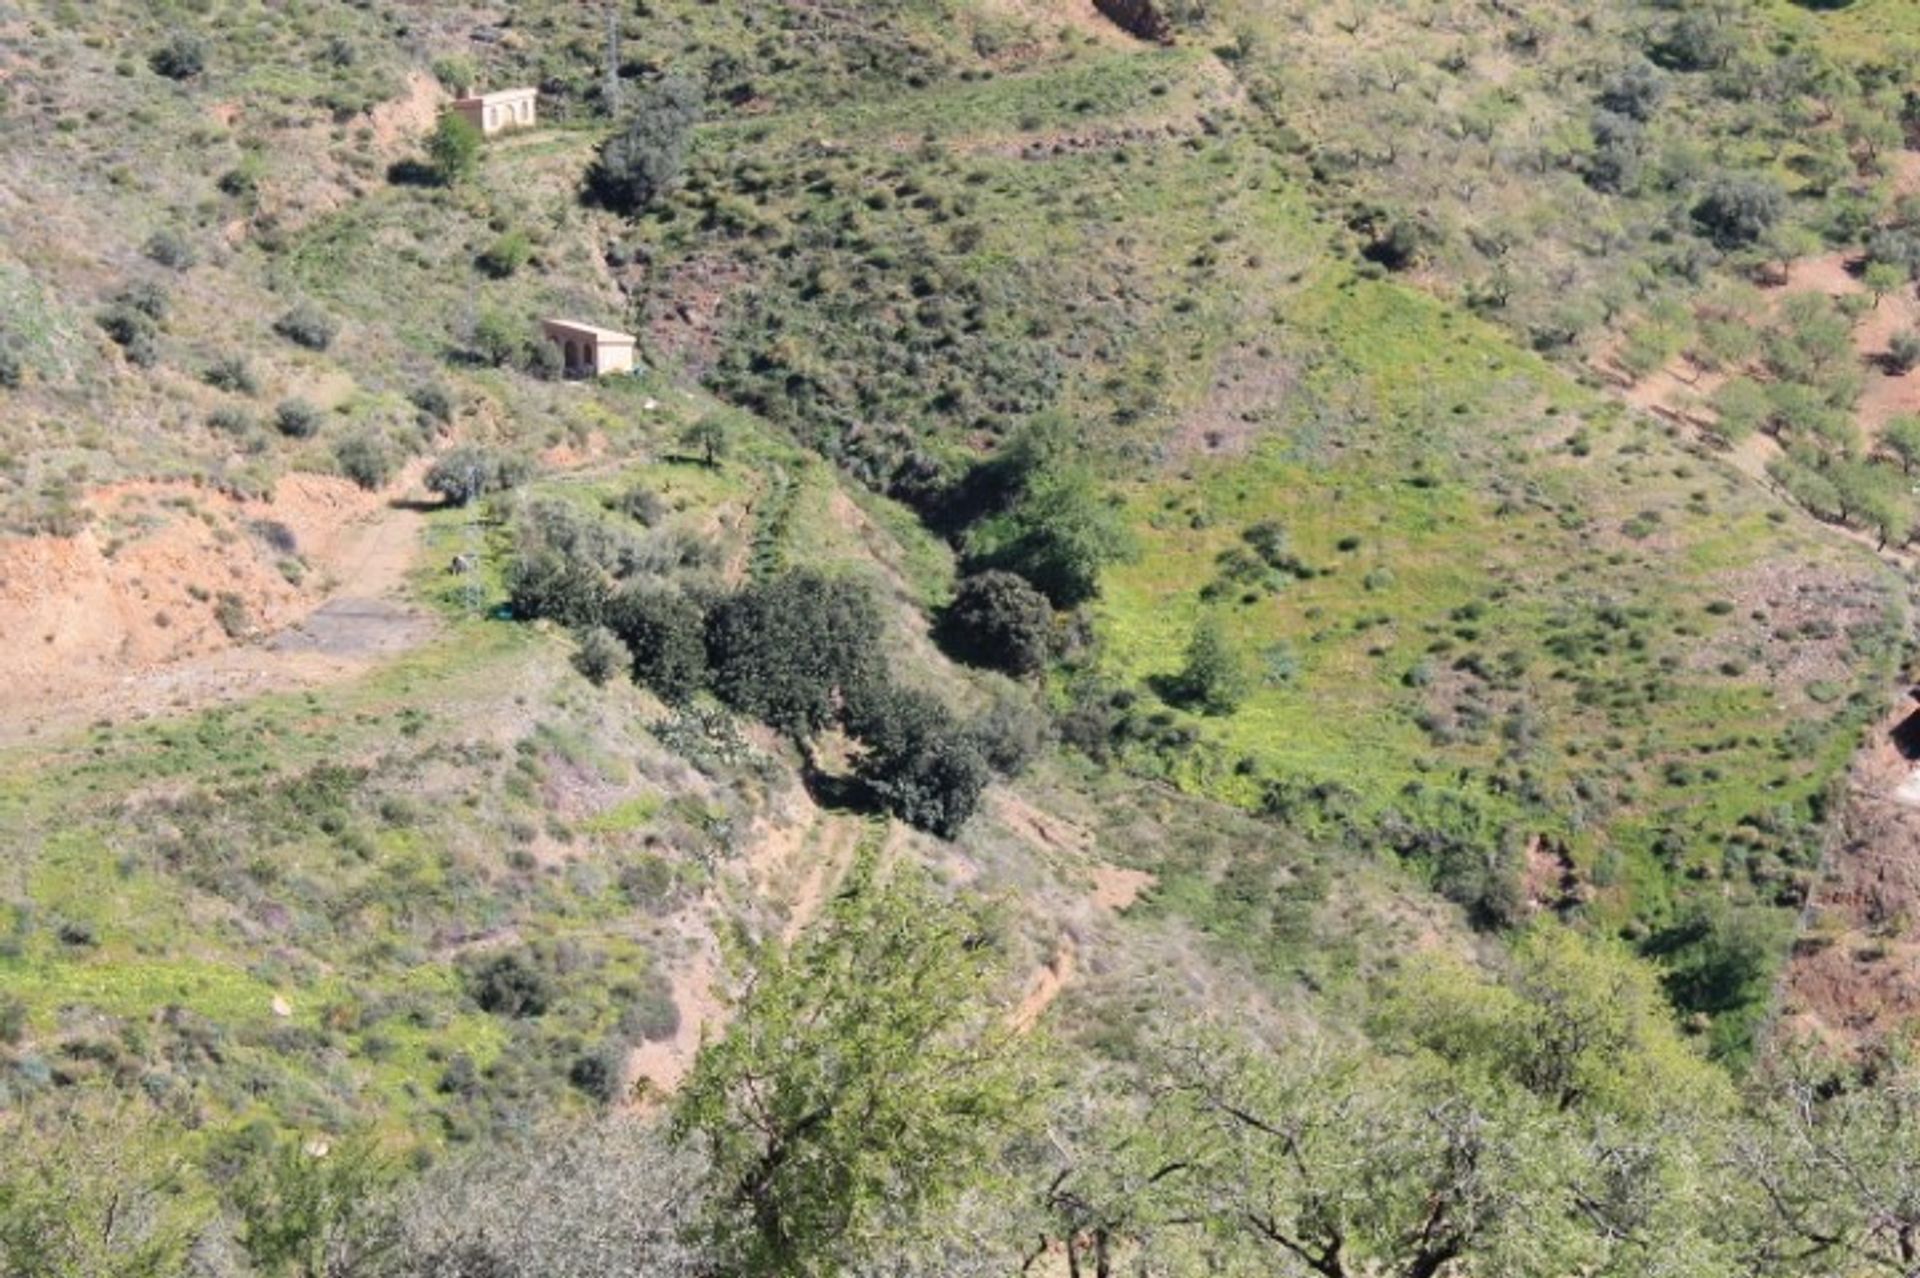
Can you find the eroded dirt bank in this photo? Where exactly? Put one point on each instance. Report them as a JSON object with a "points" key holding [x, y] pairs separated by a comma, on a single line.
{"points": [[1854, 977], [173, 597]]}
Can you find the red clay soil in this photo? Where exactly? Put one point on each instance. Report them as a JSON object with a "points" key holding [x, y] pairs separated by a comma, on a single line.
{"points": [[1854, 978], [147, 606], [1679, 392]]}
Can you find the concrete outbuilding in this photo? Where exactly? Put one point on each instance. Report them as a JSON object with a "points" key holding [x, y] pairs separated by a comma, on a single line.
{"points": [[499, 111], [587, 350]]}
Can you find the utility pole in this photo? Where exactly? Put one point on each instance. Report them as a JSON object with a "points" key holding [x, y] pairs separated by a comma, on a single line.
{"points": [[611, 90]]}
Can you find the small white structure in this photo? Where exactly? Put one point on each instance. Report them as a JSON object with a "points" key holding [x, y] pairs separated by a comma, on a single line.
{"points": [[495, 112], [588, 350]]}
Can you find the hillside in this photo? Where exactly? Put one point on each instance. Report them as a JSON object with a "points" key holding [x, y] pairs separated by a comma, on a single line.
{"points": [[1216, 637]]}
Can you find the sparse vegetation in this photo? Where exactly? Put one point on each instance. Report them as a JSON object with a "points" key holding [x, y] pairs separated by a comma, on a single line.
{"points": [[1390, 454]]}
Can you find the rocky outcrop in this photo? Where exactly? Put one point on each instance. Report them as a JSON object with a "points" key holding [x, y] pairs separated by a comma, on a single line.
{"points": [[1139, 18]]}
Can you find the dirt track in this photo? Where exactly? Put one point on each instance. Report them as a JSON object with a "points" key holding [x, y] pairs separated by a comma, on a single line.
{"points": [[101, 659]]}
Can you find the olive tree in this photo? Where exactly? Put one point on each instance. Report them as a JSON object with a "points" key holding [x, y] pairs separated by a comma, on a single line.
{"points": [[645, 158], [865, 1079]]}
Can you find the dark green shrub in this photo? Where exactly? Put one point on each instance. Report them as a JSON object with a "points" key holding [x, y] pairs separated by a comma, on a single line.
{"points": [[229, 420], [242, 183], [506, 255], [1059, 535], [510, 984], [918, 762], [183, 56], [665, 631], [12, 367], [785, 651], [500, 339], [133, 331], [652, 1016], [1696, 41], [231, 373], [456, 72], [170, 248], [296, 419], [650, 883], [708, 437], [1636, 91], [640, 504], [998, 619], [553, 524], [434, 401], [597, 1073], [1471, 864], [600, 655], [149, 298], [13, 1019], [453, 149], [1214, 678], [230, 611], [543, 361], [469, 472], [1903, 351], [133, 321], [1012, 731], [276, 535], [1738, 210], [547, 583]]}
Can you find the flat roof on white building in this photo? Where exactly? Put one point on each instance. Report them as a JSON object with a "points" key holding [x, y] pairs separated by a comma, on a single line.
{"points": [[590, 330], [496, 97]]}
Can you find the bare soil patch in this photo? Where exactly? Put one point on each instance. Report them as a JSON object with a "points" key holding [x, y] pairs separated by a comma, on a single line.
{"points": [[1052, 16], [792, 862], [1116, 888], [1249, 396], [1793, 619], [684, 322], [1853, 982], [353, 627], [1046, 986], [174, 597]]}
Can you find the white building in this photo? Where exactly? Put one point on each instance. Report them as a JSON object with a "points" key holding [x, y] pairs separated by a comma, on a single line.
{"points": [[589, 350], [495, 112]]}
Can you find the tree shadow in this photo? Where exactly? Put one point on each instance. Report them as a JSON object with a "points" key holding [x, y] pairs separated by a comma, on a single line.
{"points": [[412, 172], [1174, 689], [418, 505], [462, 357], [838, 792], [1906, 737]]}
